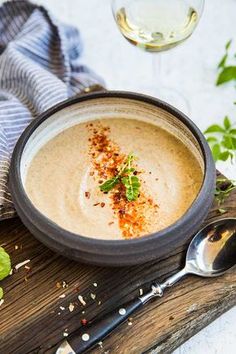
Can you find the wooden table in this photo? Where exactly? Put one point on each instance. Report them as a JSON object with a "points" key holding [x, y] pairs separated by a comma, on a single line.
{"points": [[41, 303]]}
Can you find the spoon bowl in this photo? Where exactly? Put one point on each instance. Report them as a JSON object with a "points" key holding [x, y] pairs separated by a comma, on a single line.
{"points": [[213, 249]]}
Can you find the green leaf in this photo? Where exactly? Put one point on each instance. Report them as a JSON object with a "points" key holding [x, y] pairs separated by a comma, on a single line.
{"points": [[223, 61], [216, 152], [227, 123], [227, 142], [109, 184], [233, 143], [227, 74], [132, 186], [228, 44], [5, 264], [233, 131], [211, 139], [222, 211], [215, 128], [223, 156], [1, 293]]}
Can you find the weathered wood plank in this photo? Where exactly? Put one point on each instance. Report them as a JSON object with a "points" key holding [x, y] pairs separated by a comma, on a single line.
{"points": [[31, 320]]}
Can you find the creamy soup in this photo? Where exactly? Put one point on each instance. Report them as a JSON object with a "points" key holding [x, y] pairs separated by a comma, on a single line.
{"points": [[153, 178]]}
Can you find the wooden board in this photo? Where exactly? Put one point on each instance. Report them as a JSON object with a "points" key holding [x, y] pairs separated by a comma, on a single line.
{"points": [[31, 320]]}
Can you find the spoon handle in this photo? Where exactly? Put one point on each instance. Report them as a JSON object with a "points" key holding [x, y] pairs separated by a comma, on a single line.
{"points": [[86, 337]]}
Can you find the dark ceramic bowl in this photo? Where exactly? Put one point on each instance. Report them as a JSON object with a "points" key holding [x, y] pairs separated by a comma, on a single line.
{"points": [[102, 105]]}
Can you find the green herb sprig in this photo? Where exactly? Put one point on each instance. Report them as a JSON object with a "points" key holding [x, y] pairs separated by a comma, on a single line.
{"points": [[222, 140], [127, 178], [223, 189], [226, 72]]}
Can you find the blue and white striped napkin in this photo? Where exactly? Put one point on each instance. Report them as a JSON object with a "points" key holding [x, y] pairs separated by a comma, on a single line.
{"points": [[39, 67]]}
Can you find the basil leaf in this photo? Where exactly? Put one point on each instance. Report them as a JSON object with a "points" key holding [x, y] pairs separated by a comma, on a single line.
{"points": [[223, 61], [5, 264], [227, 74], [211, 139], [228, 44], [223, 156], [216, 152], [227, 123], [215, 128]]}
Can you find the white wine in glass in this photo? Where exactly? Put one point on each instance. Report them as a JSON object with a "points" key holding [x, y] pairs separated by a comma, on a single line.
{"points": [[157, 25]]}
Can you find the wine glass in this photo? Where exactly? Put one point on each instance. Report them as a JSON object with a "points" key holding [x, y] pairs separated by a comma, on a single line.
{"points": [[157, 26]]}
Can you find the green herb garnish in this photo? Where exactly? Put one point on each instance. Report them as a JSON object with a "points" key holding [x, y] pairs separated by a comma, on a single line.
{"points": [[227, 72], [223, 189], [222, 140], [127, 178], [5, 266]]}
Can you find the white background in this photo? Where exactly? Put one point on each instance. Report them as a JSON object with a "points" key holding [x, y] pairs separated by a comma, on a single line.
{"points": [[189, 68]]}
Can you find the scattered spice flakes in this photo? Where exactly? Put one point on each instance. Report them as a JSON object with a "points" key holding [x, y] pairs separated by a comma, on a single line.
{"points": [[81, 300], [84, 322], [100, 344], [134, 218], [130, 321], [111, 223], [64, 284], [71, 307], [102, 205], [96, 204], [87, 195], [65, 333], [19, 265]]}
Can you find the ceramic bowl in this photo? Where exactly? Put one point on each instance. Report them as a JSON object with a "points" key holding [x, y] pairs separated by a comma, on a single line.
{"points": [[103, 105]]}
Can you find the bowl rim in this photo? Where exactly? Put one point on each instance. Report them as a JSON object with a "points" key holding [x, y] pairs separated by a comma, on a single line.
{"points": [[67, 238]]}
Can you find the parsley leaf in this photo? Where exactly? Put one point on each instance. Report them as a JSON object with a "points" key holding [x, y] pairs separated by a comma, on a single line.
{"points": [[109, 184]]}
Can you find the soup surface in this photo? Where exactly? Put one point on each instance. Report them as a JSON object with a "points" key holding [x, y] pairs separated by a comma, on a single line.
{"points": [[151, 178]]}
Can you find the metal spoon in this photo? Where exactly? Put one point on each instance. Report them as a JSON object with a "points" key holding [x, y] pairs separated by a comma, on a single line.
{"points": [[211, 253]]}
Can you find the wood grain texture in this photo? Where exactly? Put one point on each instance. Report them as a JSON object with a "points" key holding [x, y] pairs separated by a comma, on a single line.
{"points": [[31, 320]]}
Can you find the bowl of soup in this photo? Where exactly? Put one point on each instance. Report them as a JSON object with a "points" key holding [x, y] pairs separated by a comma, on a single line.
{"points": [[112, 178]]}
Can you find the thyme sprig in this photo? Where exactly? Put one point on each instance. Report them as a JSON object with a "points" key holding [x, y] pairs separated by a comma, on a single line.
{"points": [[223, 189], [127, 177]]}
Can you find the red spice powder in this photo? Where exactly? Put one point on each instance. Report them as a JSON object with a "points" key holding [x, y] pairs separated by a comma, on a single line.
{"points": [[107, 158]]}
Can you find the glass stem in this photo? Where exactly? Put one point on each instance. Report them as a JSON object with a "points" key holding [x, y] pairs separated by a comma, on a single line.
{"points": [[157, 69]]}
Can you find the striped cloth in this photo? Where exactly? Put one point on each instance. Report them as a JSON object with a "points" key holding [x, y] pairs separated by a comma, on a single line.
{"points": [[39, 67]]}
